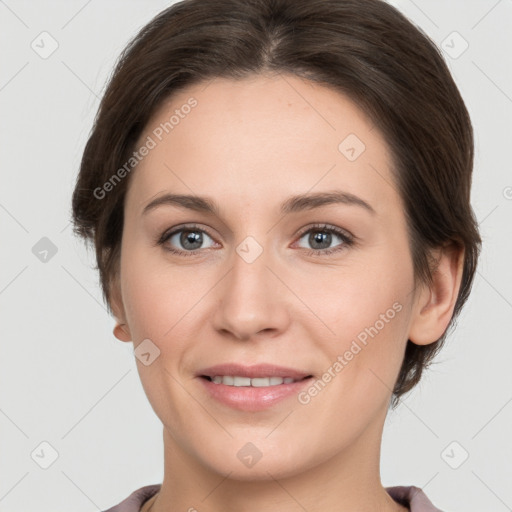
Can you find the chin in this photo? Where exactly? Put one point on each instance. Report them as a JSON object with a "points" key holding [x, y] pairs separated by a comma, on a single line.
{"points": [[258, 461], [261, 471]]}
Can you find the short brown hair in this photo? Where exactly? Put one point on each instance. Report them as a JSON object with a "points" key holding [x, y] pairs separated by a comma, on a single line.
{"points": [[365, 49]]}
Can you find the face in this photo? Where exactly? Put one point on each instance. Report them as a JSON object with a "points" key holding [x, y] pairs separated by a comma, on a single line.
{"points": [[299, 269]]}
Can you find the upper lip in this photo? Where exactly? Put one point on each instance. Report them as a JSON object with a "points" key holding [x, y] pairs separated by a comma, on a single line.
{"points": [[253, 371]]}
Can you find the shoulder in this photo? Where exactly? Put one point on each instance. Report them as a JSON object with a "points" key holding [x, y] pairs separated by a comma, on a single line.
{"points": [[412, 497], [134, 502]]}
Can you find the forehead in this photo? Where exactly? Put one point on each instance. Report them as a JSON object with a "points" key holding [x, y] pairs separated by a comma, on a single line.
{"points": [[259, 136]]}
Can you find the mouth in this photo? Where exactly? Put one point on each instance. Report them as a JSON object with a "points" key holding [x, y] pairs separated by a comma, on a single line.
{"points": [[256, 382], [252, 388]]}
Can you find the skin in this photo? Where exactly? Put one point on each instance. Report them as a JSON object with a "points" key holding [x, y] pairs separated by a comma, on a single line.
{"points": [[249, 145]]}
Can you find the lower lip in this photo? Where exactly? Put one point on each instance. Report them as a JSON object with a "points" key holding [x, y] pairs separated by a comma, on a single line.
{"points": [[248, 398]]}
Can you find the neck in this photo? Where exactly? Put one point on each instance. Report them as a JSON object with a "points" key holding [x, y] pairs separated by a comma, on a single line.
{"points": [[348, 480]]}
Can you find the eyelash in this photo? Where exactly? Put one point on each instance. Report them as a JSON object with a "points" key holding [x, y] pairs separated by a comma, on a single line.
{"points": [[348, 239]]}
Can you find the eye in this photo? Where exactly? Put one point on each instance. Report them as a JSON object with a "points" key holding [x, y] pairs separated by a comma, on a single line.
{"points": [[188, 239], [321, 236]]}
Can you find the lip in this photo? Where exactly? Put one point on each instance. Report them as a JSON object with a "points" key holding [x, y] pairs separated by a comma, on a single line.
{"points": [[253, 371], [248, 398]]}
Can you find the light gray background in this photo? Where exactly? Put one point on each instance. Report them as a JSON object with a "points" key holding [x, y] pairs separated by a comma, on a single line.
{"points": [[66, 381]]}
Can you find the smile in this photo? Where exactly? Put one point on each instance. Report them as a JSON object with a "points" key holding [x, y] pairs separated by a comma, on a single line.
{"points": [[257, 382]]}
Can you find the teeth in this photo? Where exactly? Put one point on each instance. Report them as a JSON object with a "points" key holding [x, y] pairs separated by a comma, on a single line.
{"points": [[258, 382], [241, 381]]}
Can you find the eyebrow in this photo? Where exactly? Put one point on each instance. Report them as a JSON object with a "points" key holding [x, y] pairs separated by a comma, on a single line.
{"points": [[293, 204]]}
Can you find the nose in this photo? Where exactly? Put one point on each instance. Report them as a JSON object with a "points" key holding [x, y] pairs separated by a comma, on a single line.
{"points": [[252, 302]]}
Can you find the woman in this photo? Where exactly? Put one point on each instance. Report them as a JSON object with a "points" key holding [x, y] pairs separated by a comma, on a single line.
{"points": [[278, 192]]}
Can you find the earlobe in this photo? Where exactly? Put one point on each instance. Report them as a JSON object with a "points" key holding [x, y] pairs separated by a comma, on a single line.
{"points": [[121, 330], [434, 306]]}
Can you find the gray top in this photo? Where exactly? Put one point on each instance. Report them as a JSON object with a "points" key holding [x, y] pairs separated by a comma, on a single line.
{"points": [[409, 496]]}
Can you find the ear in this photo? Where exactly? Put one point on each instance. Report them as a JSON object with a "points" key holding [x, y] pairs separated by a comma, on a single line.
{"points": [[121, 330], [433, 307]]}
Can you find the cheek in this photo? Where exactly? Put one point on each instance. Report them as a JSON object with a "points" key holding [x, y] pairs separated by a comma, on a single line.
{"points": [[368, 319], [150, 300], [162, 308], [360, 312], [163, 302]]}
